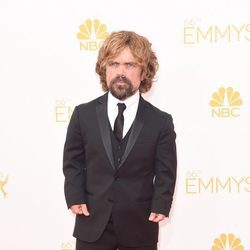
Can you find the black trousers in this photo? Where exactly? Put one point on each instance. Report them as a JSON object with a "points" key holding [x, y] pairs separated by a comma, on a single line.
{"points": [[108, 241]]}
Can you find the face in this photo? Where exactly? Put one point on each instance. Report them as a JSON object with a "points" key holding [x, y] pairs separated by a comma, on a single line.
{"points": [[123, 75]]}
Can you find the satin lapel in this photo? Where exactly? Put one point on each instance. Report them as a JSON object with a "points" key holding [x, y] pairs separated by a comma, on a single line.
{"points": [[102, 116], [135, 130]]}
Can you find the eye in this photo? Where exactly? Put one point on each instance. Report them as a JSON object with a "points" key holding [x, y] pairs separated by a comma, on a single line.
{"points": [[114, 64], [130, 65]]}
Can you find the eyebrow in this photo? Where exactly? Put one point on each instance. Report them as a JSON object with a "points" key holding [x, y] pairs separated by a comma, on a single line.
{"points": [[113, 61]]}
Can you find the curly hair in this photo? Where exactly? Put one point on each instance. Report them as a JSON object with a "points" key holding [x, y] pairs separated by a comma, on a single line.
{"points": [[140, 48]]}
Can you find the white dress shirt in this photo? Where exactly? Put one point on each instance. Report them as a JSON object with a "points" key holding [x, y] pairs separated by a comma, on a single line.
{"points": [[129, 113]]}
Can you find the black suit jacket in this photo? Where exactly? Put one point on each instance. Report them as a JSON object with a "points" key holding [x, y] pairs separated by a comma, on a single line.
{"points": [[143, 182]]}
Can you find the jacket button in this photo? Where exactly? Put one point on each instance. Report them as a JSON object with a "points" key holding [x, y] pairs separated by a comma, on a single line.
{"points": [[110, 200]]}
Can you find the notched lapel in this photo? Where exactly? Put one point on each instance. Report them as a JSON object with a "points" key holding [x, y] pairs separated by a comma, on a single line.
{"points": [[101, 111]]}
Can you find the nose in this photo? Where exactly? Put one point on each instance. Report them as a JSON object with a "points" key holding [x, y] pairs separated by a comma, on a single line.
{"points": [[121, 70]]}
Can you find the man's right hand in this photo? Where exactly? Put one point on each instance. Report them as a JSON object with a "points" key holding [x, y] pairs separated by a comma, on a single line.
{"points": [[80, 209]]}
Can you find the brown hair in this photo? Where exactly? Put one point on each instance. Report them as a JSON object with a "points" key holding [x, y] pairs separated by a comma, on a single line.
{"points": [[140, 48]]}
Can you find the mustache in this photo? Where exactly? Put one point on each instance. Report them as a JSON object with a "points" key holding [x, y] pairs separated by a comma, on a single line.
{"points": [[120, 79]]}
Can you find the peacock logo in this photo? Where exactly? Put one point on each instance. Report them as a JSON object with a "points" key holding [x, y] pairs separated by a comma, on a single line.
{"points": [[227, 242], [226, 97], [226, 103], [92, 34]]}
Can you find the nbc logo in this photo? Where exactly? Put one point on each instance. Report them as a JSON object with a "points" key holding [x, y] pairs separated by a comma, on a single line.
{"points": [[92, 34], [3, 182], [225, 103], [227, 242]]}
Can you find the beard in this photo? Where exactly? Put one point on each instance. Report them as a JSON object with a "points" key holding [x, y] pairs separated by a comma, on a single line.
{"points": [[121, 91]]}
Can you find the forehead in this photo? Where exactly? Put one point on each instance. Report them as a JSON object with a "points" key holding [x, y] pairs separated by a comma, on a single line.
{"points": [[124, 56]]}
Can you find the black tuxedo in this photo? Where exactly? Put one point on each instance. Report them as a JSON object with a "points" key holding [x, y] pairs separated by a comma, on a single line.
{"points": [[143, 182]]}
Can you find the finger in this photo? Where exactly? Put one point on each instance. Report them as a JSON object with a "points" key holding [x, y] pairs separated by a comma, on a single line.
{"points": [[73, 211], [79, 211], [85, 210], [76, 209], [159, 217], [152, 216]]}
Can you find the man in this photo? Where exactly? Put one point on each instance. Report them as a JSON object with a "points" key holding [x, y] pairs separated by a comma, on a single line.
{"points": [[120, 154]]}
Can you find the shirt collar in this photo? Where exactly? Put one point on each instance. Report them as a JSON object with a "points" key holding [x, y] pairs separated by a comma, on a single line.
{"points": [[134, 99]]}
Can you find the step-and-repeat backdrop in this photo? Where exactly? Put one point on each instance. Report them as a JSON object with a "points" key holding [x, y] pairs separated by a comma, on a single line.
{"points": [[48, 51]]}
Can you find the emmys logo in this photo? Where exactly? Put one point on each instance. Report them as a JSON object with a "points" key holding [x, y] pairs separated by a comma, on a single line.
{"points": [[68, 246], [225, 103], [92, 34], [63, 111], [197, 184], [195, 34], [3, 182], [227, 242]]}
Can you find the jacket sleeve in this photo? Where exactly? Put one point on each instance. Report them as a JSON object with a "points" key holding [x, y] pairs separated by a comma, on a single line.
{"points": [[74, 163], [165, 169]]}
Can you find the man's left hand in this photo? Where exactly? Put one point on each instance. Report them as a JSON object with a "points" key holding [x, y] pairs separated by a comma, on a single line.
{"points": [[154, 217]]}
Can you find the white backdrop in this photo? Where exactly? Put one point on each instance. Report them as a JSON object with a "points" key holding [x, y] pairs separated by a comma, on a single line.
{"points": [[203, 49]]}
